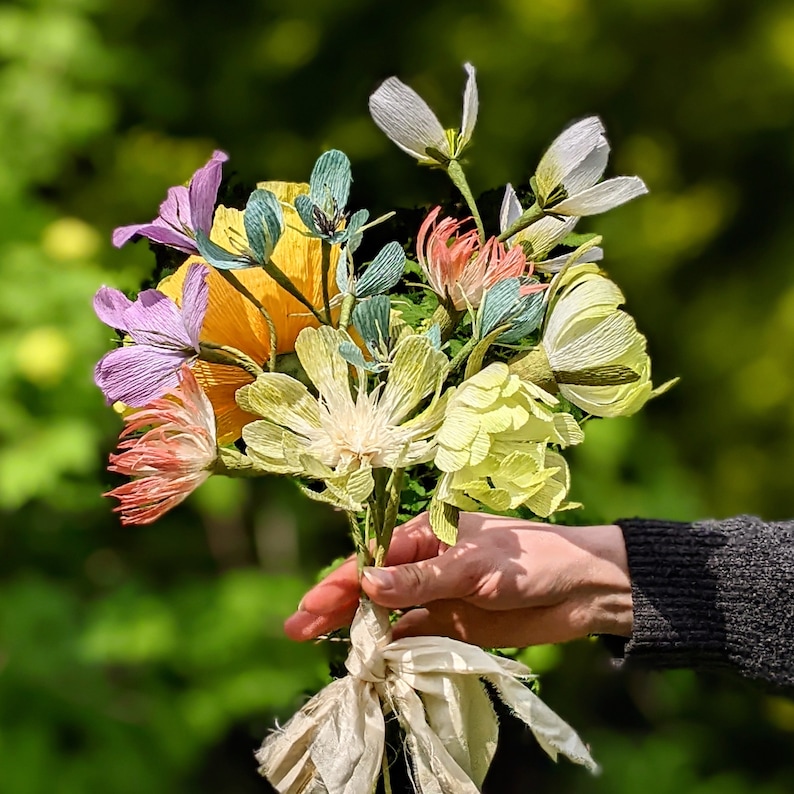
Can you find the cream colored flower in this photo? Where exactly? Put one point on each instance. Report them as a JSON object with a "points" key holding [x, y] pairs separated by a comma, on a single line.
{"points": [[568, 175], [493, 445], [408, 121], [590, 347], [342, 435]]}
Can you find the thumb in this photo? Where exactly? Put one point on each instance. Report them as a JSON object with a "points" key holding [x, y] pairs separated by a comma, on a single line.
{"points": [[413, 583]]}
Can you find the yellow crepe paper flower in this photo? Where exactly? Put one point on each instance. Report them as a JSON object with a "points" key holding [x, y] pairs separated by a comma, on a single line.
{"points": [[590, 347], [233, 320], [493, 445], [341, 436]]}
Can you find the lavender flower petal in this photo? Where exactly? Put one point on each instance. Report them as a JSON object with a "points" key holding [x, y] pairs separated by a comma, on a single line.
{"points": [[195, 296], [110, 306], [175, 210], [154, 319], [138, 374], [183, 211], [157, 233], [203, 192]]}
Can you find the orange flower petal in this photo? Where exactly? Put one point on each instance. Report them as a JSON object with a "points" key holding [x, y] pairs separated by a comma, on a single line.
{"points": [[233, 320]]}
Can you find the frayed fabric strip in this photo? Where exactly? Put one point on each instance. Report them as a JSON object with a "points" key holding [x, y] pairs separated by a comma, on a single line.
{"points": [[434, 685]]}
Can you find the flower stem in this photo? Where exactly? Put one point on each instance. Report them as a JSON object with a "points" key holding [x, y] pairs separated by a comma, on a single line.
{"points": [[326, 269], [386, 774], [228, 356], [271, 326], [530, 216], [462, 355], [391, 504], [458, 178]]}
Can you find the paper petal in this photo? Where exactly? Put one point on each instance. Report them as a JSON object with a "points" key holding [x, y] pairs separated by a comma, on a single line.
{"points": [[407, 119], [110, 306], [203, 192], [567, 152], [470, 106], [603, 197]]}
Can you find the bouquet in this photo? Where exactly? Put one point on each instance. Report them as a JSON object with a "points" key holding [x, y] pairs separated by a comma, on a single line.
{"points": [[447, 373]]}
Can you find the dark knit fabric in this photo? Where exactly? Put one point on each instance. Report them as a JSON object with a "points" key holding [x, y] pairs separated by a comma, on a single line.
{"points": [[713, 595]]}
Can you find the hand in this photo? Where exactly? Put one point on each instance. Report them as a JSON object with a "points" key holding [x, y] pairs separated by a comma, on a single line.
{"points": [[505, 583]]}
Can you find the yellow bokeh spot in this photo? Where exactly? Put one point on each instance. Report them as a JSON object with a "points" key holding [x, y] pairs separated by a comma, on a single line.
{"points": [[43, 355], [291, 43], [780, 35], [781, 713], [70, 238]]}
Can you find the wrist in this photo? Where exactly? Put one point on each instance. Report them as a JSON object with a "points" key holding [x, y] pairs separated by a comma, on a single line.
{"points": [[605, 579]]}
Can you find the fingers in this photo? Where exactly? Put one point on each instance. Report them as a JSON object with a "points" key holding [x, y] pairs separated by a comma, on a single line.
{"points": [[302, 625], [444, 577], [332, 603], [508, 629], [333, 593], [412, 541]]}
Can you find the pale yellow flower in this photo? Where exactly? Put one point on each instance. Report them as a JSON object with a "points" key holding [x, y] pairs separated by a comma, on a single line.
{"points": [[493, 445], [340, 436]]}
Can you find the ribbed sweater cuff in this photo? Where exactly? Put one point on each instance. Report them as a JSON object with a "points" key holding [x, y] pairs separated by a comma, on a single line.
{"points": [[712, 595]]}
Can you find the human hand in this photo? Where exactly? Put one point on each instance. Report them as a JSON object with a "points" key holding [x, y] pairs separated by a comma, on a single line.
{"points": [[506, 583]]}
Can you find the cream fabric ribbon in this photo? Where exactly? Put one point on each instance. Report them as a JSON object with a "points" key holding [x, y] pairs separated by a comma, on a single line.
{"points": [[334, 744]]}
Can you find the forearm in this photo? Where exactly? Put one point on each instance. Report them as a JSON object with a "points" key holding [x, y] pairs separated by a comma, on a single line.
{"points": [[713, 595]]}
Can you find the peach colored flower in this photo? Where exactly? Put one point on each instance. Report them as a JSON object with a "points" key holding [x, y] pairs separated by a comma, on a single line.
{"points": [[171, 459], [458, 267]]}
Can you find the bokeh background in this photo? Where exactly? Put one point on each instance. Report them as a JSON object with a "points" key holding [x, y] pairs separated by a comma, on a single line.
{"points": [[151, 659]]}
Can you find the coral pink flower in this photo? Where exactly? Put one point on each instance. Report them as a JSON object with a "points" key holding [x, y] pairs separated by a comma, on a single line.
{"points": [[171, 459], [458, 268]]}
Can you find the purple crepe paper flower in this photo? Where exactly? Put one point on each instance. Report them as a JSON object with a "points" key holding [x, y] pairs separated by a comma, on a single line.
{"points": [[185, 211], [164, 338]]}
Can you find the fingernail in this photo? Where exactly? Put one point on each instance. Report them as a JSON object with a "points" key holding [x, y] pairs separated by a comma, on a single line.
{"points": [[382, 579], [301, 608]]}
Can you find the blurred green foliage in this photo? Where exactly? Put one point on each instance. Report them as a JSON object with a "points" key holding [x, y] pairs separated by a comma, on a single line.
{"points": [[152, 660]]}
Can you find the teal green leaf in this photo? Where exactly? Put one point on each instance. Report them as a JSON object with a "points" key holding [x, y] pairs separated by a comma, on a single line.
{"points": [[371, 320], [264, 223], [384, 271], [329, 185], [219, 257], [499, 304]]}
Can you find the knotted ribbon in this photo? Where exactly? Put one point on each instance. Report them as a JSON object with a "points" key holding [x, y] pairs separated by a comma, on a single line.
{"points": [[434, 685]]}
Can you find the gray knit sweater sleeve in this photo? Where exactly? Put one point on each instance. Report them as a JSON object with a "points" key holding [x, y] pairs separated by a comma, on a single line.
{"points": [[713, 595]]}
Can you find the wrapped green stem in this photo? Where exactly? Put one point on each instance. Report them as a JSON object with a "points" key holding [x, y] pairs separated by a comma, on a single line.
{"points": [[228, 356], [458, 178], [530, 216], [326, 269]]}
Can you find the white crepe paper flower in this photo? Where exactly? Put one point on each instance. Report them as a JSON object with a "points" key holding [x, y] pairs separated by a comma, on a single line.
{"points": [[542, 236], [568, 175], [408, 121], [590, 347], [340, 436]]}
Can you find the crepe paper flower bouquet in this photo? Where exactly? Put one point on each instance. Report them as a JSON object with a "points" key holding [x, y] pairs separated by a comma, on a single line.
{"points": [[273, 349]]}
